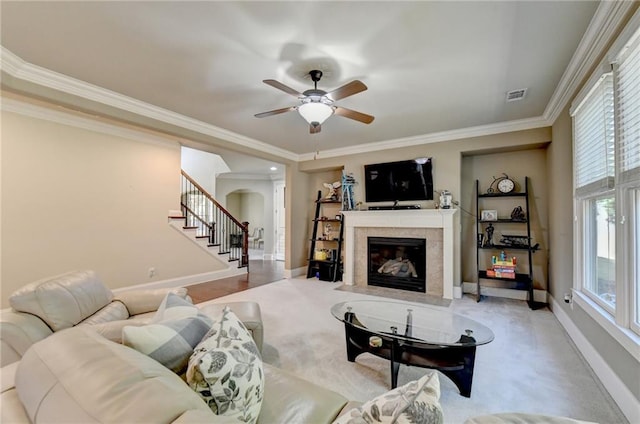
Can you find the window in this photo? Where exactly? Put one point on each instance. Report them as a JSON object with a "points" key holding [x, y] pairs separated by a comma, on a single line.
{"points": [[606, 136], [594, 176], [628, 170], [600, 277]]}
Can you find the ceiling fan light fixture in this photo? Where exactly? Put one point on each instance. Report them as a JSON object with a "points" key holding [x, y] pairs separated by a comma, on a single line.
{"points": [[315, 112], [317, 105]]}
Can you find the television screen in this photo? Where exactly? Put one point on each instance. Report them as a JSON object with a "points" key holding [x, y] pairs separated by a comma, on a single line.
{"points": [[398, 181]]}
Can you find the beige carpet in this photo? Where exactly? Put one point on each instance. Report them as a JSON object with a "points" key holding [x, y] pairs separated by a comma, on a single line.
{"points": [[531, 366]]}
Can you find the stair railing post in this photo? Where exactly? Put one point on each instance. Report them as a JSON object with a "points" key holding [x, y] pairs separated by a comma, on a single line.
{"points": [[245, 244]]}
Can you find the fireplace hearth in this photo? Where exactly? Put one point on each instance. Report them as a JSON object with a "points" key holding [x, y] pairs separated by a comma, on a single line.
{"points": [[398, 263]]}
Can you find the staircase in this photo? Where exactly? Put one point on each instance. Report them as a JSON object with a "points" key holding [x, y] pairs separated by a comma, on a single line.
{"points": [[210, 225]]}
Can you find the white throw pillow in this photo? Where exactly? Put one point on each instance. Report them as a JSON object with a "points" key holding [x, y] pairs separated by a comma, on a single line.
{"points": [[176, 328], [226, 370], [415, 402]]}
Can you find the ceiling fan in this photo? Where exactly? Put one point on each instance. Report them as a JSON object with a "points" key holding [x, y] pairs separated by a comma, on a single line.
{"points": [[317, 105]]}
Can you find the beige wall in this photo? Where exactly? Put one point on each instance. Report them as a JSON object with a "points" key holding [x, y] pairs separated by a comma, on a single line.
{"points": [[247, 207], [253, 210], [560, 163], [232, 203], [298, 199], [77, 199]]}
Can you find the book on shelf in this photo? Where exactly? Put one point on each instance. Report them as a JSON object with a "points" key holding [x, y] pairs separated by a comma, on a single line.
{"points": [[501, 273], [505, 268]]}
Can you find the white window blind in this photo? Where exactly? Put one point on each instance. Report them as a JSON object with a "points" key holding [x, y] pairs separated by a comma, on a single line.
{"points": [[594, 140], [628, 91]]}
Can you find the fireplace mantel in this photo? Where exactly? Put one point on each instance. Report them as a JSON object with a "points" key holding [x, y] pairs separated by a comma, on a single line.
{"points": [[403, 218]]}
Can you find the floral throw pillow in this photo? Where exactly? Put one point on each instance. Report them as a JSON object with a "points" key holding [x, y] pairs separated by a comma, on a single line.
{"points": [[226, 370], [415, 402]]}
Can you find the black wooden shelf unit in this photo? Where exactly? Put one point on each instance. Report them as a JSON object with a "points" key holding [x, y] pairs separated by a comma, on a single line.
{"points": [[325, 253], [523, 278]]}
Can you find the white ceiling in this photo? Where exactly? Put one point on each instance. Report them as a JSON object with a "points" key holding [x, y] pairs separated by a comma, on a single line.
{"points": [[432, 67]]}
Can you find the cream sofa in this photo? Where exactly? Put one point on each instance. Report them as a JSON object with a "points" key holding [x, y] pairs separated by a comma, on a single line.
{"points": [[78, 376], [63, 361], [74, 298], [81, 298]]}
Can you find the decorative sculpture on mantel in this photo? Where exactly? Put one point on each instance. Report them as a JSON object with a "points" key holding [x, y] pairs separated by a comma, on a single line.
{"points": [[333, 190]]}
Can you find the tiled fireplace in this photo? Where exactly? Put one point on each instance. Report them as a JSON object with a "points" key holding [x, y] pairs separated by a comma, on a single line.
{"points": [[435, 226]]}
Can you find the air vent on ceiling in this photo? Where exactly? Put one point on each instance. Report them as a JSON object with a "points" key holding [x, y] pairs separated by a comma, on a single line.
{"points": [[514, 95]]}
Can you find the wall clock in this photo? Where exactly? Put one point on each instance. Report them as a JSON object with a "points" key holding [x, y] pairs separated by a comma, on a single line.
{"points": [[502, 185], [506, 185]]}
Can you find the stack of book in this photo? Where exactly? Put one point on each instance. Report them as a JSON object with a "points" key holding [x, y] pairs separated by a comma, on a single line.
{"points": [[502, 268]]}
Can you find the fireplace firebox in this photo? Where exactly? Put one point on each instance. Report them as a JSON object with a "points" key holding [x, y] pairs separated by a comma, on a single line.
{"points": [[398, 263]]}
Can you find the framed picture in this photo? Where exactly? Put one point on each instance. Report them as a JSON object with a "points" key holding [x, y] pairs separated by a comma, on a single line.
{"points": [[489, 215]]}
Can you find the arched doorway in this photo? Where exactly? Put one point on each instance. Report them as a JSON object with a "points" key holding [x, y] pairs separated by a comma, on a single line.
{"points": [[248, 206]]}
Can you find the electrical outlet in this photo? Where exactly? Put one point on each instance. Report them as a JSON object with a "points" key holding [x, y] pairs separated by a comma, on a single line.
{"points": [[568, 298], [152, 272]]}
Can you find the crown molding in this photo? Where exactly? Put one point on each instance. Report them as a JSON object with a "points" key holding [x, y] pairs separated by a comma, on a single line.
{"points": [[87, 123], [250, 176], [453, 135], [20, 69], [604, 24]]}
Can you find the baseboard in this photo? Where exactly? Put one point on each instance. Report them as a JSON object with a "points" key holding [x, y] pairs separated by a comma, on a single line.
{"points": [[296, 272], [457, 292], [187, 280], [538, 295], [623, 397], [268, 257]]}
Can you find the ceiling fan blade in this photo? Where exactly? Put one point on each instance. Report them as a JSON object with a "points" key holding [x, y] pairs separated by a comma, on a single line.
{"points": [[281, 86], [352, 114], [274, 112], [354, 87], [314, 129]]}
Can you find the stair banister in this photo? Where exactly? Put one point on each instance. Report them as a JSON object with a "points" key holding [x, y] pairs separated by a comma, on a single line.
{"points": [[211, 220]]}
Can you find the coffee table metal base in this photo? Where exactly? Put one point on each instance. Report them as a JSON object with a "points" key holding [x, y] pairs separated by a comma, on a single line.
{"points": [[456, 362]]}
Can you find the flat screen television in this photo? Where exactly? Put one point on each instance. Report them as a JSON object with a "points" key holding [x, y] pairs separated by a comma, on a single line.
{"points": [[399, 181]]}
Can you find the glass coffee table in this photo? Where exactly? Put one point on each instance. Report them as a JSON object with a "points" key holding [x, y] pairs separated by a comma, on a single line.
{"points": [[415, 335]]}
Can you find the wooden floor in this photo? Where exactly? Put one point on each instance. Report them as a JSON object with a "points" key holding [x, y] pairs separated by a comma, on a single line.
{"points": [[261, 272]]}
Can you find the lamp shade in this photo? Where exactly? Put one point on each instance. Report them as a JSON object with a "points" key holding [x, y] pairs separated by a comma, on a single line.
{"points": [[315, 112]]}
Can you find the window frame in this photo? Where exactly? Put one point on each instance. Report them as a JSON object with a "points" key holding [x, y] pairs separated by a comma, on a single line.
{"points": [[629, 270], [588, 248]]}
